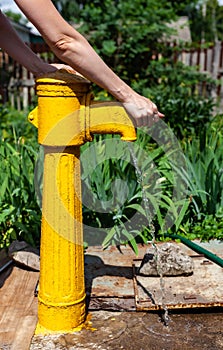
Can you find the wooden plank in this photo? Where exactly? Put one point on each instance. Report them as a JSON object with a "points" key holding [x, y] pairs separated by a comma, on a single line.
{"points": [[24, 334], [18, 306]]}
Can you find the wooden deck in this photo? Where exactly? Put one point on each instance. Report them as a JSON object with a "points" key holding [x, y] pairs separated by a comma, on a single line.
{"points": [[109, 282], [18, 308]]}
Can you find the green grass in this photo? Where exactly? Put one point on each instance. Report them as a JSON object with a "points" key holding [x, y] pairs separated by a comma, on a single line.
{"points": [[113, 192], [19, 211]]}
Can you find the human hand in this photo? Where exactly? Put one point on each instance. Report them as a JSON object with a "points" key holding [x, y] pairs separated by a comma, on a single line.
{"points": [[46, 68], [63, 66], [142, 110]]}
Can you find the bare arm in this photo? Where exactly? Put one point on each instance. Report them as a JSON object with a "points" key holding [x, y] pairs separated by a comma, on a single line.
{"points": [[16, 48], [72, 48]]}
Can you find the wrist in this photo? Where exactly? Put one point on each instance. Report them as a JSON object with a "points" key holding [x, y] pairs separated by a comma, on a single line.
{"points": [[123, 94]]}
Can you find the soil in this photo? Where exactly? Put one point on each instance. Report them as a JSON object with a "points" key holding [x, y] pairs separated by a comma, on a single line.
{"points": [[194, 330]]}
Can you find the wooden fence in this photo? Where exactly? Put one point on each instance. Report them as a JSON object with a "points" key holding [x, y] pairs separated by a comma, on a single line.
{"points": [[208, 60], [17, 84]]}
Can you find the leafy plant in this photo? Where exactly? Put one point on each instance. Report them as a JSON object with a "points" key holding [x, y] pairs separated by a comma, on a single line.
{"points": [[209, 227], [177, 90], [127, 190], [19, 211], [204, 177], [14, 124], [127, 36]]}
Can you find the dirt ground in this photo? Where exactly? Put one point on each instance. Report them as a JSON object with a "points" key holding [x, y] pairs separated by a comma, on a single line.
{"points": [[141, 331]]}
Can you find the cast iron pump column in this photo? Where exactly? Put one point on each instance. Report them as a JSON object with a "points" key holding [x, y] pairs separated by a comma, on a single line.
{"points": [[66, 118]]}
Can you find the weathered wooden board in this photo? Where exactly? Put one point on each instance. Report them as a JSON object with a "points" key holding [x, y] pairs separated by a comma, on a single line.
{"points": [[18, 308]]}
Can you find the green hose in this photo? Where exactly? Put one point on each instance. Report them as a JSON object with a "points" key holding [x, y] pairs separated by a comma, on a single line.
{"points": [[211, 256]]}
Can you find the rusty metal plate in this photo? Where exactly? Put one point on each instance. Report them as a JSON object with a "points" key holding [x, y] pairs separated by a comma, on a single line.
{"points": [[112, 303], [109, 279], [204, 288], [112, 282]]}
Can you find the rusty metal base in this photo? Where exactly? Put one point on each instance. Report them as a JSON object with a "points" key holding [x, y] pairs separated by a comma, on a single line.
{"points": [[112, 283], [202, 289]]}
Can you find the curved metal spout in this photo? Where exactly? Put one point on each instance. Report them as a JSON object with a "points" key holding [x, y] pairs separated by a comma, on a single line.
{"points": [[111, 118]]}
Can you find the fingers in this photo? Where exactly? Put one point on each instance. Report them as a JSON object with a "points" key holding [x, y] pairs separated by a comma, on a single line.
{"points": [[143, 112], [63, 66], [151, 116], [156, 114]]}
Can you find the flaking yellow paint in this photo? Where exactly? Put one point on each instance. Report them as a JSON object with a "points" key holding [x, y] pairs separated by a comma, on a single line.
{"points": [[66, 118]]}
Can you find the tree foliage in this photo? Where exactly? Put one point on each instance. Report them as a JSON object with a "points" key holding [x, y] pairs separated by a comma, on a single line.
{"points": [[129, 36], [206, 18], [16, 17], [70, 10], [125, 33]]}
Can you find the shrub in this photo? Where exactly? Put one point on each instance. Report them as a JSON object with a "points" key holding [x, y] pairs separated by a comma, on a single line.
{"points": [[19, 211]]}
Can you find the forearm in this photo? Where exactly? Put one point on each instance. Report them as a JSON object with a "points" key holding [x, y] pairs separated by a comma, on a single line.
{"points": [[18, 50], [80, 55], [71, 47]]}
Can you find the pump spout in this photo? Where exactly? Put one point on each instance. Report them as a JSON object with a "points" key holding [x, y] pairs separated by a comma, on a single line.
{"points": [[111, 118]]}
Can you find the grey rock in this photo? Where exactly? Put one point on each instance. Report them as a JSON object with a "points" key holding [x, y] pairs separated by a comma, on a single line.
{"points": [[25, 255], [167, 260]]}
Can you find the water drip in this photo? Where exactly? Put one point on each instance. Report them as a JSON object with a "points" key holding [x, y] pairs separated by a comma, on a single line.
{"points": [[139, 176]]}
